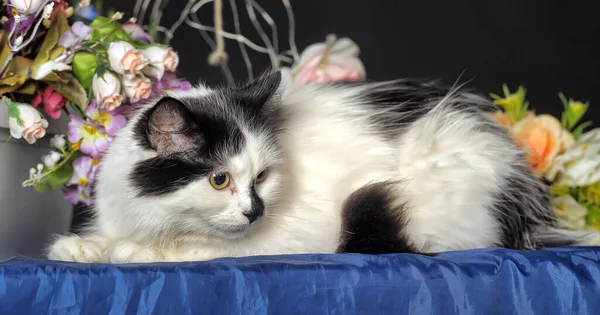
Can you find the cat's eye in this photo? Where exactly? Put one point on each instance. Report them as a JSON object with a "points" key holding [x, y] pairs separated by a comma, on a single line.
{"points": [[262, 176], [219, 180]]}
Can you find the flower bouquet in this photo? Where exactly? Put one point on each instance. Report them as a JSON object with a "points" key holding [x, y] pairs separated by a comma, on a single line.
{"points": [[58, 59], [561, 152]]}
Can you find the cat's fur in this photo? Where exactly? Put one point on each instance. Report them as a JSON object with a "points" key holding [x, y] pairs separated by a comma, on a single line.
{"points": [[399, 166]]}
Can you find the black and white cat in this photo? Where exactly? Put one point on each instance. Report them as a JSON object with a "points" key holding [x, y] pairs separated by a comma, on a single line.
{"points": [[399, 166]]}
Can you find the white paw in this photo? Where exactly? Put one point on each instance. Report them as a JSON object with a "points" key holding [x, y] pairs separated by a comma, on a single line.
{"points": [[129, 252], [77, 249]]}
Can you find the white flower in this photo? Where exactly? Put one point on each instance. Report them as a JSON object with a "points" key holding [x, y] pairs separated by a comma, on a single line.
{"points": [[333, 60], [25, 121], [137, 88], [51, 159], [48, 10], [159, 60], [27, 6], [569, 213], [58, 142], [580, 164], [107, 90], [125, 59]]}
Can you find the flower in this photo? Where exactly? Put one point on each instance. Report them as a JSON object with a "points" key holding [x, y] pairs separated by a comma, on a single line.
{"points": [[111, 122], [543, 138], [84, 172], [87, 12], [569, 213], [507, 120], [580, 165], [75, 196], [27, 6], [51, 159], [170, 83], [25, 121], [94, 141], [136, 32], [52, 100], [125, 59], [73, 37], [159, 60], [23, 25], [137, 88], [334, 60], [107, 90], [58, 142], [61, 7], [514, 104]]}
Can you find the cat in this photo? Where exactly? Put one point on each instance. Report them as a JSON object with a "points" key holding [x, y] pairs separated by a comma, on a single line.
{"points": [[348, 167]]}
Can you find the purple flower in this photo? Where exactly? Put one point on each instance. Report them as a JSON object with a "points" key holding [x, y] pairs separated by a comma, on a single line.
{"points": [[88, 13], [78, 33], [170, 82], [84, 172], [25, 23], [109, 120], [94, 140], [136, 32], [75, 196]]}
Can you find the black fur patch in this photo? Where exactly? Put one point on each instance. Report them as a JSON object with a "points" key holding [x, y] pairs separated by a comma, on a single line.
{"points": [[371, 224]]}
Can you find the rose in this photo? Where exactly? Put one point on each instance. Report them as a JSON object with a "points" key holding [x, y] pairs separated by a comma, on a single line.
{"points": [[25, 121], [107, 90], [543, 138], [507, 120], [580, 165], [137, 88], [52, 100], [334, 60], [159, 60], [124, 59], [27, 6]]}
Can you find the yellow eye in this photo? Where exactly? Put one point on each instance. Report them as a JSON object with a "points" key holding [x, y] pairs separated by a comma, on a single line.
{"points": [[262, 176], [219, 181]]}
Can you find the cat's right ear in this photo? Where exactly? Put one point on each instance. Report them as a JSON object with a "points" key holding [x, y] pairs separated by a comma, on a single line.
{"points": [[171, 128]]}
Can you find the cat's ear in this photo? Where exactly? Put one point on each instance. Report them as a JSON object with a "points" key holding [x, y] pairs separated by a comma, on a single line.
{"points": [[263, 90], [171, 127]]}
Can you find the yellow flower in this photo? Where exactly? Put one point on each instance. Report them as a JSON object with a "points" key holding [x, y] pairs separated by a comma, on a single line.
{"points": [[543, 138], [513, 103], [569, 213]]}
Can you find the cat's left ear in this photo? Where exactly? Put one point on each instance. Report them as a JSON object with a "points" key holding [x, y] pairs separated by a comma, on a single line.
{"points": [[263, 91]]}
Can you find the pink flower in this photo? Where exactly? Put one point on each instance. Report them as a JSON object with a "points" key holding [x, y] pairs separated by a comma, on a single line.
{"points": [[52, 100], [84, 172], [124, 59], [27, 6], [111, 122], [136, 32], [93, 140], [334, 60], [107, 90], [75, 195], [159, 60], [137, 88]]}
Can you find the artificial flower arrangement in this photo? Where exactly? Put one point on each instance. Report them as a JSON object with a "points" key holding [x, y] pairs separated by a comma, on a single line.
{"points": [[58, 59], [561, 153]]}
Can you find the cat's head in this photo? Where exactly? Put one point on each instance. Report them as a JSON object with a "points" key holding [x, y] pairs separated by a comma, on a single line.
{"points": [[203, 162]]}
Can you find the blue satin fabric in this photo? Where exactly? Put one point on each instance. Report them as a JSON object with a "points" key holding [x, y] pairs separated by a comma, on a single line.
{"points": [[494, 281]]}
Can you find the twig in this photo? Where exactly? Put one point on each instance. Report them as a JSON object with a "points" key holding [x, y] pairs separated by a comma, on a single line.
{"points": [[238, 30], [292, 30], [261, 32], [219, 54]]}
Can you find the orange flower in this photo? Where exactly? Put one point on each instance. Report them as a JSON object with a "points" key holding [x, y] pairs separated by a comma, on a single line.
{"points": [[507, 120], [543, 138]]}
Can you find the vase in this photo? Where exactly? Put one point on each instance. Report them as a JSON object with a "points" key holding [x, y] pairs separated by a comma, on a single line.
{"points": [[28, 219]]}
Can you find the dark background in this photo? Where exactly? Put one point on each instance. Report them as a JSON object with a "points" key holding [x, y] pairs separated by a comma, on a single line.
{"points": [[548, 46]]}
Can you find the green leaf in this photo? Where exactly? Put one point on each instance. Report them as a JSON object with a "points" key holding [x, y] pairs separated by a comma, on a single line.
{"points": [[13, 110], [72, 90], [5, 50], [579, 130], [58, 27], [56, 179], [19, 69], [102, 30], [84, 67]]}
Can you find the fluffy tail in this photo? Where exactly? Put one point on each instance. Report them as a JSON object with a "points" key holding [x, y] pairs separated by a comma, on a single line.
{"points": [[546, 236]]}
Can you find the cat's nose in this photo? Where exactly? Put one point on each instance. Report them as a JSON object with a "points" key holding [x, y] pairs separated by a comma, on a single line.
{"points": [[254, 213]]}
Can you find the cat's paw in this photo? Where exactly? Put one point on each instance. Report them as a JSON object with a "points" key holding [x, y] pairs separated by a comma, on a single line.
{"points": [[77, 249], [129, 252]]}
